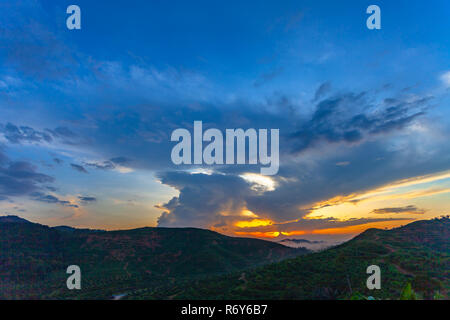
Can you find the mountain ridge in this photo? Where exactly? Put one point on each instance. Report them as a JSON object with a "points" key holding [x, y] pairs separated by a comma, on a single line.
{"points": [[118, 259], [417, 254], [193, 263]]}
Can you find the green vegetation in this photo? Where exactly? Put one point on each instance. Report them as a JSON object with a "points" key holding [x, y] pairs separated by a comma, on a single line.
{"points": [[34, 258], [163, 263], [414, 258]]}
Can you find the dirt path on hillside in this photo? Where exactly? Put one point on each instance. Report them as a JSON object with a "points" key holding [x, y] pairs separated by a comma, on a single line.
{"points": [[393, 250]]}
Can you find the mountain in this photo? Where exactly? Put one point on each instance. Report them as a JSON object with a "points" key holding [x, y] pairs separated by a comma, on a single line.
{"points": [[12, 219], [72, 229], [189, 263], [34, 258], [414, 256]]}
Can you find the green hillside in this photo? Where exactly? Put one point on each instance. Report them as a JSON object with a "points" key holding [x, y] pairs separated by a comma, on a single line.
{"points": [[34, 258], [415, 255], [188, 263]]}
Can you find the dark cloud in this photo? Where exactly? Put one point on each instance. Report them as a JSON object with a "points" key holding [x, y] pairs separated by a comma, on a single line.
{"points": [[39, 196], [63, 132], [318, 178], [356, 123], [217, 200], [78, 168], [25, 134], [87, 200], [143, 135], [58, 161], [342, 118], [406, 209], [300, 185], [15, 134], [350, 118], [20, 178], [105, 165], [66, 136], [202, 198], [142, 106], [109, 164]]}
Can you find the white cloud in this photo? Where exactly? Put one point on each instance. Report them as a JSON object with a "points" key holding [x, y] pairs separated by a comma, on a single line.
{"points": [[260, 182], [445, 78]]}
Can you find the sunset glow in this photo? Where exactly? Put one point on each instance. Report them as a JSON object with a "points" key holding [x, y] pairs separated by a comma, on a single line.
{"points": [[88, 118]]}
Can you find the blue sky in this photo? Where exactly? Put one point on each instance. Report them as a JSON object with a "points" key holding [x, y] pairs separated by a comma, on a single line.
{"points": [[86, 115]]}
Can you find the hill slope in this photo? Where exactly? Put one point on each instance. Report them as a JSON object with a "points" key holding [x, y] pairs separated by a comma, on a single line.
{"points": [[34, 258], [418, 253]]}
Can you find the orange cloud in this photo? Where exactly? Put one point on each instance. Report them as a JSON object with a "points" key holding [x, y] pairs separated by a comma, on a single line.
{"points": [[253, 223], [361, 228], [382, 193], [349, 230], [270, 234]]}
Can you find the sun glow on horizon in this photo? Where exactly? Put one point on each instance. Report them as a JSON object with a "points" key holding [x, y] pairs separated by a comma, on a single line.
{"points": [[253, 223], [389, 206]]}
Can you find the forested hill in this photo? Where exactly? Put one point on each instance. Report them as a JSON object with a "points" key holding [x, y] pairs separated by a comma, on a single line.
{"points": [[34, 258], [416, 255]]}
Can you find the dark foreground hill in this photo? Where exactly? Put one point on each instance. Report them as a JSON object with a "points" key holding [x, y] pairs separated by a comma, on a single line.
{"points": [[34, 258], [416, 255]]}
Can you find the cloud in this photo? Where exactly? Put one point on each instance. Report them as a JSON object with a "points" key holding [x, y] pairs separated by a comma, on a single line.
{"points": [[140, 127], [350, 118], [203, 199], [445, 78], [78, 168], [65, 135], [25, 134], [18, 178], [129, 108], [359, 127], [39, 196], [117, 163], [105, 165], [407, 209], [300, 186], [15, 134], [87, 200], [308, 225], [322, 90]]}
